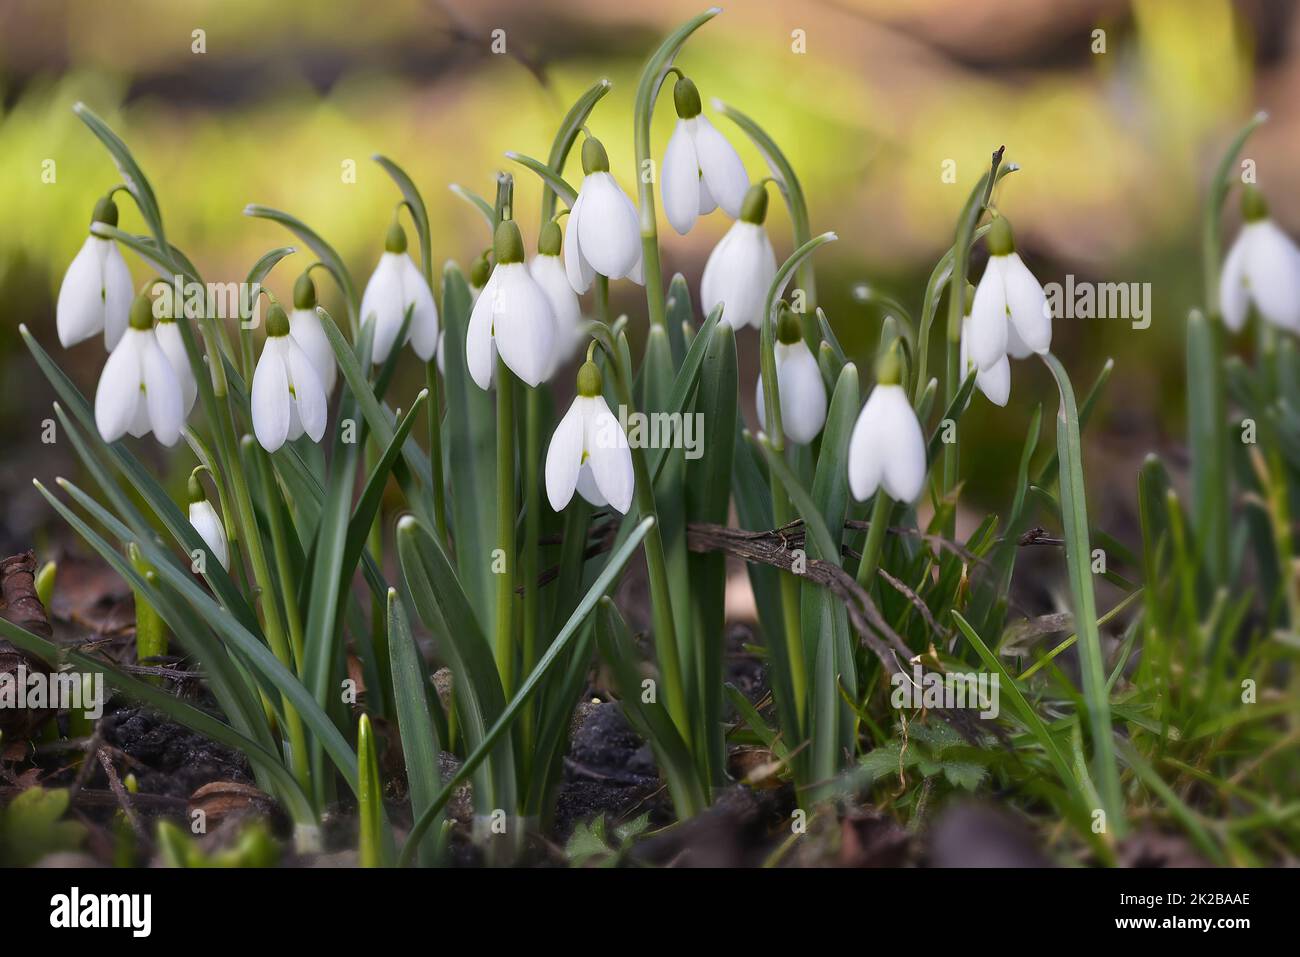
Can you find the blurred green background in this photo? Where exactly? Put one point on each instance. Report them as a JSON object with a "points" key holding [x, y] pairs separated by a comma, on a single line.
{"points": [[1115, 148]]}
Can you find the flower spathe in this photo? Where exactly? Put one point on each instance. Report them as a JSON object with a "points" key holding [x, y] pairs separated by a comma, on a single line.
{"points": [[741, 267], [589, 452], [1010, 313], [96, 292], [799, 385], [395, 286], [1262, 267], [701, 170], [603, 234], [306, 330], [207, 523], [288, 399], [138, 390], [887, 448], [512, 317]]}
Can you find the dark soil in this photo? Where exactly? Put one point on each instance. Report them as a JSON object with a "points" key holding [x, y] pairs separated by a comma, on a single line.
{"points": [[168, 759]]}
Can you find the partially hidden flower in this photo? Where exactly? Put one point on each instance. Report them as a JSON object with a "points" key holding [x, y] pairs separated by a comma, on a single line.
{"points": [[288, 399], [138, 390], [887, 448], [547, 271], [306, 330], [513, 317], [168, 333], [1009, 313], [701, 170], [603, 234], [207, 523], [1263, 267], [799, 383], [589, 451], [742, 266], [995, 381], [395, 286], [96, 293]]}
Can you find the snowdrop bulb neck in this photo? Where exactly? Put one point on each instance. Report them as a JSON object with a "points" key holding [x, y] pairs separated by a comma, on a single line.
{"points": [[686, 98], [304, 292], [142, 313], [888, 368], [549, 239], [507, 243], [594, 157], [1001, 242], [589, 381], [754, 208], [788, 328], [395, 240], [277, 323], [1253, 205], [105, 212]]}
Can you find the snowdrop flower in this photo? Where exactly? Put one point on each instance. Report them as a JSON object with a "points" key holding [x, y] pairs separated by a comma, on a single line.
{"points": [[799, 383], [395, 286], [288, 398], [603, 234], [701, 170], [1263, 267], [887, 449], [995, 381], [589, 451], [170, 342], [1010, 311], [138, 390], [306, 330], [741, 266], [207, 522], [96, 293], [513, 316], [548, 272]]}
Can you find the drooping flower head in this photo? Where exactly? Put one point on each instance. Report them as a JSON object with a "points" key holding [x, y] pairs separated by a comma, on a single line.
{"points": [[207, 522], [395, 286], [887, 448], [603, 235], [288, 399], [513, 317], [701, 170], [96, 293], [305, 327], [589, 451], [1262, 267], [547, 271], [995, 381], [138, 390], [168, 333], [1010, 313], [798, 381], [742, 266]]}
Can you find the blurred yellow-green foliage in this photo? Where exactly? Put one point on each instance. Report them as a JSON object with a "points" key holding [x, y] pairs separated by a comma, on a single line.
{"points": [[1115, 131]]}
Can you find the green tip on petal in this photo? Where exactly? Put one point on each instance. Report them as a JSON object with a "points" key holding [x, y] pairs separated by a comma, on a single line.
{"points": [[142, 312], [1254, 206], [395, 241], [549, 240], [889, 368], [508, 244], [687, 99], [594, 157], [195, 490], [789, 329], [277, 323], [105, 212], [1001, 242], [589, 381], [754, 208], [304, 292], [479, 271]]}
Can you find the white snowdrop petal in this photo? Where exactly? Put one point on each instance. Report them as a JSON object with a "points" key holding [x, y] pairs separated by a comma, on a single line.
{"points": [[168, 335], [681, 179], [523, 325], [803, 395], [207, 523], [588, 489], [1017, 348], [903, 467], [306, 390], [988, 315], [576, 267], [1234, 297], [424, 320], [564, 457], [865, 452], [79, 313], [118, 394], [738, 273], [382, 305], [270, 397], [548, 273], [1027, 304], [480, 350], [760, 403], [720, 164], [119, 292], [995, 381], [162, 392], [707, 203], [608, 229], [1273, 273], [608, 455], [305, 329]]}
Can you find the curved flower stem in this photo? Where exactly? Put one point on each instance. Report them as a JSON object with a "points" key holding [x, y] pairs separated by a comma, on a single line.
{"points": [[504, 645], [647, 92], [880, 508]]}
